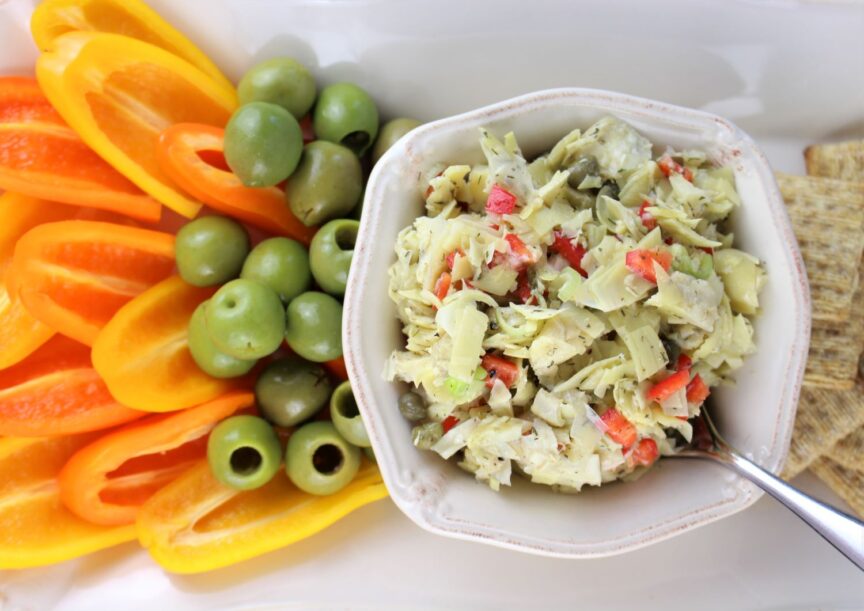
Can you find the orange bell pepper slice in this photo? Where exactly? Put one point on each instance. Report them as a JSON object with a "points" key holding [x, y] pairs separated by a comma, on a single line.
{"points": [[35, 528], [180, 156], [20, 333], [195, 524], [107, 481], [119, 94], [132, 18], [156, 371], [56, 391], [74, 275], [41, 156]]}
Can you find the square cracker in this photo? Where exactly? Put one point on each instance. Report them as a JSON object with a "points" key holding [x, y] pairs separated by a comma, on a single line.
{"points": [[835, 348], [824, 417], [842, 160], [847, 483], [849, 451], [828, 220]]}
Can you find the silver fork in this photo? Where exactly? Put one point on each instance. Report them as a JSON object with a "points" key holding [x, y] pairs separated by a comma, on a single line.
{"points": [[844, 532]]}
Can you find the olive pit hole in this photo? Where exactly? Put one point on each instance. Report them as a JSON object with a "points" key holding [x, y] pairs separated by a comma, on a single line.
{"points": [[347, 406], [328, 459], [356, 141], [245, 461], [346, 238]]}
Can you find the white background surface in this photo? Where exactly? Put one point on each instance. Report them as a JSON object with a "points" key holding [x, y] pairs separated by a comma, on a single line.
{"points": [[790, 73]]}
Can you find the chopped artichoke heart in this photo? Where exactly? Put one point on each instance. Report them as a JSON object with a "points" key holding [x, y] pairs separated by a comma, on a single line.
{"points": [[642, 342], [615, 144], [466, 326], [742, 277], [499, 280], [685, 299]]}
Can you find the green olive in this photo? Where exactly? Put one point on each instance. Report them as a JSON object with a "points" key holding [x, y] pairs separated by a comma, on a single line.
{"points": [[582, 168], [427, 435], [263, 143], [390, 133], [319, 460], [313, 327], [210, 250], [412, 407], [207, 356], [244, 452], [370, 454], [610, 189], [346, 417], [281, 81], [330, 254], [327, 184], [245, 319], [280, 263], [345, 114], [292, 390]]}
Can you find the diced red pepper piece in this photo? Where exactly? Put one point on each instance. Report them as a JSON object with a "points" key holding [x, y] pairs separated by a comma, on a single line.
{"points": [[500, 201], [669, 166], [648, 221], [451, 257], [520, 255], [684, 362], [500, 368], [664, 389], [523, 289], [442, 286], [706, 249], [449, 422], [641, 262], [618, 428], [572, 253], [697, 390], [644, 454]]}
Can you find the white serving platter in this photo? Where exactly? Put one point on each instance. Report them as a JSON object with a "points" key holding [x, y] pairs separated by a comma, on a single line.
{"points": [[788, 72]]}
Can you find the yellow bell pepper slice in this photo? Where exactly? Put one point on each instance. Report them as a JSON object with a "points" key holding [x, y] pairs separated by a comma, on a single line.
{"points": [[196, 524], [119, 94], [132, 18], [35, 528]]}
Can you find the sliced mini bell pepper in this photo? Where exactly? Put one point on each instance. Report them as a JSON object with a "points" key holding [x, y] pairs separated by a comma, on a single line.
{"points": [[133, 18], [74, 275], [155, 371], [196, 524], [180, 157], [20, 332], [107, 481], [35, 528], [41, 156], [56, 391], [119, 94]]}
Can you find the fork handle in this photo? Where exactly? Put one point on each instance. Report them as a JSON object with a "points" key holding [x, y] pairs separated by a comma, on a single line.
{"points": [[844, 532]]}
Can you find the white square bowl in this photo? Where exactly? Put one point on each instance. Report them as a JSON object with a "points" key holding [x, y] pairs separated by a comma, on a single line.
{"points": [[755, 415]]}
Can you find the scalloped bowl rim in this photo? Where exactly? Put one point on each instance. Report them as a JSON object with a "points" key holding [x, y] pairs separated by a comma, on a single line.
{"points": [[413, 501]]}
